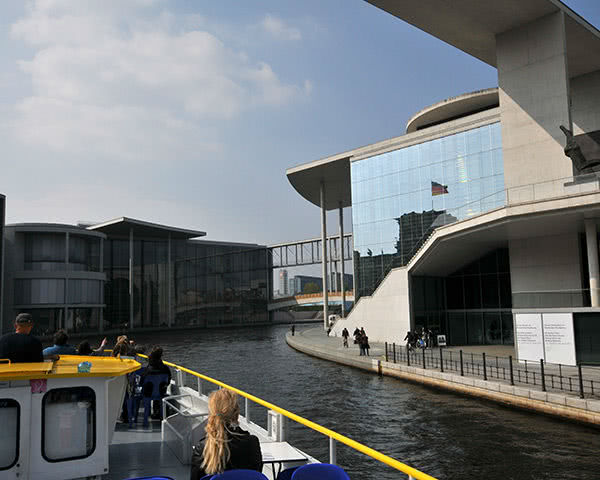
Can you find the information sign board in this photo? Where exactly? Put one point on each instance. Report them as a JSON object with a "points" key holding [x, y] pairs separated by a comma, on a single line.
{"points": [[529, 337], [441, 340], [559, 338]]}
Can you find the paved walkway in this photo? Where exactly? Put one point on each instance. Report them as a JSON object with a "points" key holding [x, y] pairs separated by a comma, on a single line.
{"points": [[558, 379]]}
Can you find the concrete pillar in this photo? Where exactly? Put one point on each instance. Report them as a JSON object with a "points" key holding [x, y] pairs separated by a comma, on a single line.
{"points": [[324, 257], [131, 278], [591, 240], [533, 81], [101, 269], [342, 286]]}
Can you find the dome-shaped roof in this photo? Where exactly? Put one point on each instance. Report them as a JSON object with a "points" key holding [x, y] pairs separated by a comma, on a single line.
{"points": [[453, 108]]}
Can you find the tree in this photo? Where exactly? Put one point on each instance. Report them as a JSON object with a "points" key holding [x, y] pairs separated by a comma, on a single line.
{"points": [[311, 287]]}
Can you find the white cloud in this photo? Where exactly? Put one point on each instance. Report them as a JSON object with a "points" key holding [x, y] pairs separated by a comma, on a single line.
{"points": [[279, 29], [135, 88]]}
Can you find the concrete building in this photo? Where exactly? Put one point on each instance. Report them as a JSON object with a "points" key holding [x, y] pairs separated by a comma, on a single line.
{"points": [[127, 274], [474, 222]]}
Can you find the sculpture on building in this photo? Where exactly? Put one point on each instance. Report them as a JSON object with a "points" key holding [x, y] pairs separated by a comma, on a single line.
{"points": [[583, 150]]}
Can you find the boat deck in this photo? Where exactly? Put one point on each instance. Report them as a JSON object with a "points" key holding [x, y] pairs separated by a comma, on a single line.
{"points": [[139, 452]]}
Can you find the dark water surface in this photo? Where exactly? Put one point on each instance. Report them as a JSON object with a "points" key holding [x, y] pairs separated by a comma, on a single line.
{"points": [[442, 434]]}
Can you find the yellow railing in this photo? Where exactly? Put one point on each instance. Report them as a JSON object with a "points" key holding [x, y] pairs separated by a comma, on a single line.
{"points": [[392, 462]]}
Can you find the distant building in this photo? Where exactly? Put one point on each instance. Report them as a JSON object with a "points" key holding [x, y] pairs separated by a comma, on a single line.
{"points": [[283, 283], [301, 281], [127, 274]]}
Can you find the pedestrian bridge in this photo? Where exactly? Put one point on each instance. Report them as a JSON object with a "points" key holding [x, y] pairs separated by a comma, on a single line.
{"points": [[309, 299]]}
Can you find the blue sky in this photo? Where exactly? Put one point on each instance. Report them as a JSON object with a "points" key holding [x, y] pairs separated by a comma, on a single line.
{"points": [[188, 112]]}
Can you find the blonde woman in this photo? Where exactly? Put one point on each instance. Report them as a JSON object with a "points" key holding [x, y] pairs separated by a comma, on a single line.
{"points": [[226, 445]]}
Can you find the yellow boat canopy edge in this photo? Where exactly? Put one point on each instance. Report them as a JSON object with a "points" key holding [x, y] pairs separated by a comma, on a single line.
{"points": [[66, 367]]}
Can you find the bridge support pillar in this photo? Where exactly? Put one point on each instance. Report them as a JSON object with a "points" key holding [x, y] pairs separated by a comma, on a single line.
{"points": [[324, 256]]}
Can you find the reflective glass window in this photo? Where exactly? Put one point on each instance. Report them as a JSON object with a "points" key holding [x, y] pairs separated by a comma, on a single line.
{"points": [[9, 434], [68, 423]]}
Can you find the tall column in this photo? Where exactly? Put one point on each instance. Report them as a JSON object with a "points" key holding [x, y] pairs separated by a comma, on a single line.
{"points": [[169, 284], [324, 256], [66, 299], [101, 270], [342, 286], [591, 240], [131, 278]]}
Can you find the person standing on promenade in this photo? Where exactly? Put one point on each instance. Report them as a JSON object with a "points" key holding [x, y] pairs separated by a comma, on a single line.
{"points": [[345, 335], [293, 330], [21, 346], [365, 343]]}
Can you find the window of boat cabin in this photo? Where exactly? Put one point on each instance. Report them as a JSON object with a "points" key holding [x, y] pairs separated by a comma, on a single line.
{"points": [[9, 434], [68, 424]]}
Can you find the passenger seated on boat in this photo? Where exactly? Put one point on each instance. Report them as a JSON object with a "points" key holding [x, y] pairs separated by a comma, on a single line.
{"points": [[84, 348], [156, 367], [122, 347], [21, 346], [60, 347], [226, 446]]}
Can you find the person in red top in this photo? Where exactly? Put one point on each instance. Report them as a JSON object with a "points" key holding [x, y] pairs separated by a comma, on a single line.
{"points": [[21, 346]]}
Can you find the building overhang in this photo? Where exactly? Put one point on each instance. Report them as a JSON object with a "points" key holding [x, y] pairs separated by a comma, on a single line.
{"points": [[120, 227], [453, 246], [53, 228], [472, 26], [333, 172]]}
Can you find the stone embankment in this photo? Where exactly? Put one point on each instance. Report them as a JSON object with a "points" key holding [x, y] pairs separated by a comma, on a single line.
{"points": [[566, 405]]}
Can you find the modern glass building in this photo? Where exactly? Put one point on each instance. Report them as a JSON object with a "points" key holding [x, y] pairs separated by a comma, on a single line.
{"points": [[127, 274], [54, 272], [400, 196]]}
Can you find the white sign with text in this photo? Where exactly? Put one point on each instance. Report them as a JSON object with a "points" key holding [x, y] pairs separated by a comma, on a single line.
{"points": [[530, 340], [559, 338]]}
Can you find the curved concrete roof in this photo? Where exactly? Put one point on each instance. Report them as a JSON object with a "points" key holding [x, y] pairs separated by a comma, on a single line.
{"points": [[452, 108], [38, 227], [333, 172], [472, 26]]}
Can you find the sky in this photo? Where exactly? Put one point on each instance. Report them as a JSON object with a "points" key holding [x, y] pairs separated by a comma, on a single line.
{"points": [[188, 113]]}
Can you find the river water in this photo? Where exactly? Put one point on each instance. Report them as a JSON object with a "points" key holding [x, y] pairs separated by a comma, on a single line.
{"points": [[445, 435]]}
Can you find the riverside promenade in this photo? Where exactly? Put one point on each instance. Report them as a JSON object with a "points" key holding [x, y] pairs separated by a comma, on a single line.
{"points": [[557, 395]]}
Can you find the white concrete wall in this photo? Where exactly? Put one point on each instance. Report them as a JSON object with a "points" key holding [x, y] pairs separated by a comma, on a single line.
{"points": [[534, 101], [545, 263], [585, 103], [385, 315]]}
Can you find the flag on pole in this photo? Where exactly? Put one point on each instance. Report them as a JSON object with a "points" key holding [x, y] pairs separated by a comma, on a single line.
{"points": [[438, 189]]}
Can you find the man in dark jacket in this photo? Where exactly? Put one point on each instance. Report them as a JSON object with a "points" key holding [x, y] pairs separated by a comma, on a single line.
{"points": [[21, 346]]}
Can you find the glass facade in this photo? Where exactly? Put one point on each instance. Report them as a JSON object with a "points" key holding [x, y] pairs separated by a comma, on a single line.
{"points": [[471, 306], [399, 197], [211, 284]]}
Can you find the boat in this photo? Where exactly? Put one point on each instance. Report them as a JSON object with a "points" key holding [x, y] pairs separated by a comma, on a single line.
{"points": [[60, 422]]}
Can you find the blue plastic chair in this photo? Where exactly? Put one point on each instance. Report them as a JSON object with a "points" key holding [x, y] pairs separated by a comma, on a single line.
{"points": [[151, 478], [240, 474], [320, 471], [287, 473], [155, 393], [134, 395]]}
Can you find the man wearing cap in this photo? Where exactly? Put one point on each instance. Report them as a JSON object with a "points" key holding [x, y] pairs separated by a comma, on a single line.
{"points": [[21, 346]]}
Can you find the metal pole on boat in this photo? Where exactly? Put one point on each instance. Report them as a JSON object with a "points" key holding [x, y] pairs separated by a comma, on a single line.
{"points": [[332, 451]]}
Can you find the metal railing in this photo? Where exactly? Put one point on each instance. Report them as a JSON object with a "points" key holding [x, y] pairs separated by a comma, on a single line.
{"points": [[413, 474], [548, 376]]}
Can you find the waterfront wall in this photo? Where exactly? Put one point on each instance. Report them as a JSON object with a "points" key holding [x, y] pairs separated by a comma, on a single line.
{"points": [[559, 405]]}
